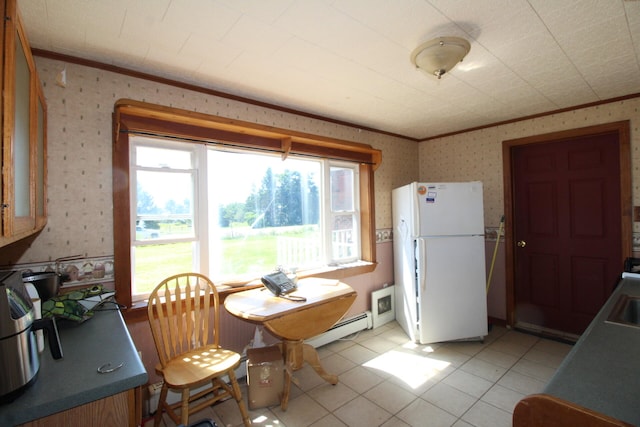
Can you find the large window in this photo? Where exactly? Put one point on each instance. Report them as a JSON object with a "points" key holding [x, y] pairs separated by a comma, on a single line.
{"points": [[233, 200], [235, 215]]}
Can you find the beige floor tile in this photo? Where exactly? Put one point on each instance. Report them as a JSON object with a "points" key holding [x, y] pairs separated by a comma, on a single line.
{"points": [[422, 413], [301, 412], [502, 397], [520, 338], [468, 383], [395, 335], [470, 348], [495, 357], [449, 355], [484, 369], [495, 332], [307, 378], [226, 412], [296, 391], [421, 349], [521, 383], [332, 397], [412, 371], [395, 422], [509, 347], [262, 417], [533, 369], [360, 379], [461, 423], [361, 412], [336, 364], [484, 415], [553, 347], [367, 334], [329, 421], [390, 396], [378, 344], [358, 354], [422, 387], [449, 398], [539, 354], [324, 351], [387, 380]]}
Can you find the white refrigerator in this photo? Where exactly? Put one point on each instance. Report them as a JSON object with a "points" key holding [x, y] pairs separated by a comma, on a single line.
{"points": [[439, 261]]}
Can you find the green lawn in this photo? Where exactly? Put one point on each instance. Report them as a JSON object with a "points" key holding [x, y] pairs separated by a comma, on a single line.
{"points": [[244, 255], [156, 262]]}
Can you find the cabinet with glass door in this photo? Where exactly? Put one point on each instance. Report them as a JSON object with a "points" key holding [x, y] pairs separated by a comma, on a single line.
{"points": [[24, 141]]}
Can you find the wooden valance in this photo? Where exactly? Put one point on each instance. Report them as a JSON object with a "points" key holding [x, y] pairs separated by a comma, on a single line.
{"points": [[150, 119]]}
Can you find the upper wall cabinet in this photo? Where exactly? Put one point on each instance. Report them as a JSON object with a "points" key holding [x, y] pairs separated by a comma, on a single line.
{"points": [[24, 141]]}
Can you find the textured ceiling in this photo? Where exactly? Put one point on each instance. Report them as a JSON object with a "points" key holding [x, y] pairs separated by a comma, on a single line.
{"points": [[348, 60]]}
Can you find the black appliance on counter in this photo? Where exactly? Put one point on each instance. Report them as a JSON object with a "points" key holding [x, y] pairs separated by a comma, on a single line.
{"points": [[19, 357]]}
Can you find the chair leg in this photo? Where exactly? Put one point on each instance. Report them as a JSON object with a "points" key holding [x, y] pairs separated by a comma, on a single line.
{"points": [[161, 399], [237, 394], [184, 409]]}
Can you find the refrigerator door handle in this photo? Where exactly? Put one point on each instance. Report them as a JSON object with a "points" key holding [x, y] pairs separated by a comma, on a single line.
{"points": [[403, 230], [421, 262]]}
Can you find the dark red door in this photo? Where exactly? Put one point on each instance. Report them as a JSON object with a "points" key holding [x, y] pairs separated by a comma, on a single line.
{"points": [[567, 230]]}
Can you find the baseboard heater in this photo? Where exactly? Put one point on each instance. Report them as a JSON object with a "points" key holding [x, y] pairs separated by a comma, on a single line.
{"points": [[343, 328]]}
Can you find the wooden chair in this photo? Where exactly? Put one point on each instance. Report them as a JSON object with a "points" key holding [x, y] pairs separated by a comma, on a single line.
{"points": [[184, 319]]}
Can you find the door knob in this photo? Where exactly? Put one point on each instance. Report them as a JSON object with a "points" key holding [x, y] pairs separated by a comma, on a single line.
{"points": [[521, 243]]}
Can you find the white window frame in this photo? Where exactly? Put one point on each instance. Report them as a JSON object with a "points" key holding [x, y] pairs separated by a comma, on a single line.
{"points": [[201, 209], [330, 214], [131, 117]]}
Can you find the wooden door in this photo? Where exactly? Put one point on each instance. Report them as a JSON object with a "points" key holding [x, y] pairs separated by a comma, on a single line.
{"points": [[570, 226]]}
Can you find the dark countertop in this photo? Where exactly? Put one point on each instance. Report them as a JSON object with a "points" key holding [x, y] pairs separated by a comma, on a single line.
{"points": [[602, 371], [74, 380]]}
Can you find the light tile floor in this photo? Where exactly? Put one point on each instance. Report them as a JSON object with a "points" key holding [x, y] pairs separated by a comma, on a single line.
{"points": [[386, 380]]}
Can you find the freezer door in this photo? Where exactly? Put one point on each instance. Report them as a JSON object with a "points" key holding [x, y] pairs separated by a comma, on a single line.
{"points": [[445, 209], [451, 285], [404, 261]]}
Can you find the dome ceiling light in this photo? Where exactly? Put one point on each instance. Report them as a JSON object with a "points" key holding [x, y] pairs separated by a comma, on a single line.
{"points": [[440, 55]]}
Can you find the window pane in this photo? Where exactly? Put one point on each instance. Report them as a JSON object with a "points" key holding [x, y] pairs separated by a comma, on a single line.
{"points": [[341, 189], [342, 238], [263, 214], [164, 205], [158, 157], [154, 263]]}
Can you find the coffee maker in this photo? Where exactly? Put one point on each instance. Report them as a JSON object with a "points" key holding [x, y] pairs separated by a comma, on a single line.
{"points": [[19, 357]]}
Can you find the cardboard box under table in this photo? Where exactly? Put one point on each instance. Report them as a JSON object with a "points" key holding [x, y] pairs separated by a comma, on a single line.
{"points": [[265, 376]]}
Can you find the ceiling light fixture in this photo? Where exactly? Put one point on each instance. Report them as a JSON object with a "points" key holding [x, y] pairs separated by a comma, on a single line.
{"points": [[440, 55]]}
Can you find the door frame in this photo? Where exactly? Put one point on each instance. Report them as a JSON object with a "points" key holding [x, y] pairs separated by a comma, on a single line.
{"points": [[620, 128]]}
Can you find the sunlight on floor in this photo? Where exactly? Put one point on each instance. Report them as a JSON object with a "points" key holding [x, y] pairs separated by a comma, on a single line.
{"points": [[413, 369], [410, 345], [263, 421]]}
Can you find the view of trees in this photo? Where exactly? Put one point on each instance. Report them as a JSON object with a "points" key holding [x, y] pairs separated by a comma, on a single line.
{"points": [[283, 199], [147, 205]]}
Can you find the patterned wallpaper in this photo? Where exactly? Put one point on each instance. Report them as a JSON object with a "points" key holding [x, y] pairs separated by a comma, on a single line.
{"points": [[477, 155], [79, 157]]}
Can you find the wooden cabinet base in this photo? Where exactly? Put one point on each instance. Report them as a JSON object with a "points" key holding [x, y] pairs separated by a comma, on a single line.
{"points": [[118, 410], [543, 410]]}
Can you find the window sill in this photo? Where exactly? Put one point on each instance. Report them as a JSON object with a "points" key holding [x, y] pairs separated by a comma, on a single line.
{"points": [[138, 311]]}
